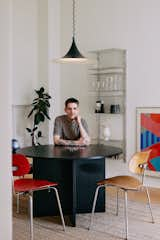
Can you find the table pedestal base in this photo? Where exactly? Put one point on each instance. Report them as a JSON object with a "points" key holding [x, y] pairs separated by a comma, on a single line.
{"points": [[77, 183]]}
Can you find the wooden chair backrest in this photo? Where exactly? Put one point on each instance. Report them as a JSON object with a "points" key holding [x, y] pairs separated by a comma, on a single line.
{"points": [[136, 161]]}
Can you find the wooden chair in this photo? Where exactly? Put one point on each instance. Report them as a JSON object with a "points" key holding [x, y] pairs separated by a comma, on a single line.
{"points": [[137, 165], [28, 186]]}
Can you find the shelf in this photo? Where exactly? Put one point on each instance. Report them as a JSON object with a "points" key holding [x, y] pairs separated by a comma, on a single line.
{"points": [[111, 142], [106, 73], [110, 93], [110, 50], [107, 84], [110, 114], [118, 68], [114, 143], [21, 105]]}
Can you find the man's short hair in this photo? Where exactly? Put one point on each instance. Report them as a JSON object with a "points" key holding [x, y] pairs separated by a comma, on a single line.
{"points": [[71, 100]]}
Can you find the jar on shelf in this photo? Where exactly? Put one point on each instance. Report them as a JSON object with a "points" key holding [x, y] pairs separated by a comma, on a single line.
{"points": [[115, 108], [98, 106]]}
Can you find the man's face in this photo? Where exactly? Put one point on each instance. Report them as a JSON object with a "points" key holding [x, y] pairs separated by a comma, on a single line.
{"points": [[72, 110]]}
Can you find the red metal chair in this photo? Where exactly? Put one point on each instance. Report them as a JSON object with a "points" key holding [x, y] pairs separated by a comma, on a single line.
{"points": [[28, 186]]}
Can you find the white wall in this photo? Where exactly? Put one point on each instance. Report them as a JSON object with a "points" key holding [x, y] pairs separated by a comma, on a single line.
{"points": [[5, 120], [126, 24], [42, 43], [35, 44], [25, 65], [53, 68], [18, 71], [25, 47]]}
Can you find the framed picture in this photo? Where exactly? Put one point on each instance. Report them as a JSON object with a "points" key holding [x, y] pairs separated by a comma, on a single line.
{"points": [[148, 127], [148, 134]]}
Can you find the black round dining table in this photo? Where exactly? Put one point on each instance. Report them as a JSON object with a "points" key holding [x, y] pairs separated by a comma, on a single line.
{"points": [[76, 169]]}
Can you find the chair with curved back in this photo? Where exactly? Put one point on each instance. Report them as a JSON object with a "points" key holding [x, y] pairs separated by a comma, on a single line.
{"points": [[137, 165], [28, 186]]}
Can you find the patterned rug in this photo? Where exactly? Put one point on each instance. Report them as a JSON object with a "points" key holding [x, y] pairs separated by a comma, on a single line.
{"points": [[107, 226]]}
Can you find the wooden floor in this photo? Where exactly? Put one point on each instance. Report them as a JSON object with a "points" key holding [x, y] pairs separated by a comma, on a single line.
{"points": [[139, 196]]}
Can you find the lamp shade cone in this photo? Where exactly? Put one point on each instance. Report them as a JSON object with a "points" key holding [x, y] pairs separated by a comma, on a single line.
{"points": [[73, 55]]}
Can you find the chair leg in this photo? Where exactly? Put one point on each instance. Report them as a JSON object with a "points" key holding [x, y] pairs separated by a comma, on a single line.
{"points": [[126, 213], [59, 206], [31, 214], [94, 205], [149, 203], [117, 207], [18, 197]]}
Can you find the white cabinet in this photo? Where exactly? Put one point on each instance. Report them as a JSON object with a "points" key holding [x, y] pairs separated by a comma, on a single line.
{"points": [[107, 87]]}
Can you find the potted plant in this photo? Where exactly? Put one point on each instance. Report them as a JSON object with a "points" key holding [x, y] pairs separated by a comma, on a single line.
{"points": [[40, 107]]}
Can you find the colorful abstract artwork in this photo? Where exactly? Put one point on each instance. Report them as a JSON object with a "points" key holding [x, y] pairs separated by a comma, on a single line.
{"points": [[148, 134], [154, 158], [150, 129]]}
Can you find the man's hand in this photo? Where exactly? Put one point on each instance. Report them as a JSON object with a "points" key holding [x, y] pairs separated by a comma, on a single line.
{"points": [[84, 137], [82, 142], [78, 118]]}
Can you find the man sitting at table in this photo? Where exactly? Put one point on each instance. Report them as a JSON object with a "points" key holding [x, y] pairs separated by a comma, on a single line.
{"points": [[70, 129]]}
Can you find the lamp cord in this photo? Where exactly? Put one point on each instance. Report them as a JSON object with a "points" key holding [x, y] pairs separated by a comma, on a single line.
{"points": [[73, 19]]}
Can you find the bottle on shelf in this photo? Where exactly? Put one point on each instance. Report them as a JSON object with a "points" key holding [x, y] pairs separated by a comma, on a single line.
{"points": [[102, 106]]}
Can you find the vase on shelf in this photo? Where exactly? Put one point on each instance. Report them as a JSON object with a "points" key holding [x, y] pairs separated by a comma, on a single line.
{"points": [[106, 132]]}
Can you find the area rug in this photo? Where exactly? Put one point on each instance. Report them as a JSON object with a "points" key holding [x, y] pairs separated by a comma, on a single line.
{"points": [[107, 226]]}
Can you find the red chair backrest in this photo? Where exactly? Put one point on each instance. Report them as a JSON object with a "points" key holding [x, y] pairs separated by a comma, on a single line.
{"points": [[21, 163]]}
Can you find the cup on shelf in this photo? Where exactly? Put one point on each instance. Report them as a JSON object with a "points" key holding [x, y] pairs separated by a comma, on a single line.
{"points": [[119, 82], [110, 83], [115, 108], [102, 85], [115, 83], [97, 85], [106, 83], [93, 85]]}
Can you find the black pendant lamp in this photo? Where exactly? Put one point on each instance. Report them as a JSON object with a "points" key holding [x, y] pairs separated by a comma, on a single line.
{"points": [[73, 55]]}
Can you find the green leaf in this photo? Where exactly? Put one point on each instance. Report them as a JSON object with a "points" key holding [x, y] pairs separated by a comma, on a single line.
{"points": [[39, 111], [33, 109], [41, 89], [40, 92], [39, 117], [46, 114], [35, 99], [47, 103], [35, 128], [46, 96], [39, 134], [30, 113], [29, 130]]}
